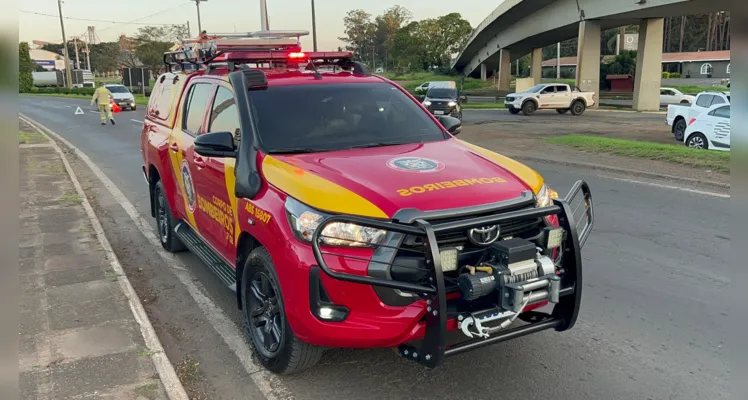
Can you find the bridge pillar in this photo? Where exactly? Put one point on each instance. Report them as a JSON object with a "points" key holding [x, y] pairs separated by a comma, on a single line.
{"points": [[648, 65], [588, 59], [505, 69], [536, 68], [483, 72]]}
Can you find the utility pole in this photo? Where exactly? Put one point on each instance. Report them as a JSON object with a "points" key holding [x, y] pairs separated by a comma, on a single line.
{"points": [[558, 60], [199, 25], [77, 59], [314, 28], [88, 58], [189, 33], [264, 20], [68, 74]]}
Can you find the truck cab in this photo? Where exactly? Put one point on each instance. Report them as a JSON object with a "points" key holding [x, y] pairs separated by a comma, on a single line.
{"points": [[549, 96], [354, 218], [679, 115]]}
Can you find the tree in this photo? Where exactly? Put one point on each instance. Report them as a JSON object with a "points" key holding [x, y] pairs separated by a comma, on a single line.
{"points": [[25, 67], [432, 43], [152, 42], [386, 27], [359, 33]]}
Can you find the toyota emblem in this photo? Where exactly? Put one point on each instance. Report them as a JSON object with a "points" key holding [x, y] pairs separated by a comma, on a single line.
{"points": [[484, 236]]}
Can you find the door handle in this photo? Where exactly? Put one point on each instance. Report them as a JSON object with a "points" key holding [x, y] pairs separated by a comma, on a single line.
{"points": [[174, 147], [199, 162]]}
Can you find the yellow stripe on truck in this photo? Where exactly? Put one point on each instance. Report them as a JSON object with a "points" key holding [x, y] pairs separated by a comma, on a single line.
{"points": [[230, 178], [522, 171], [316, 191]]}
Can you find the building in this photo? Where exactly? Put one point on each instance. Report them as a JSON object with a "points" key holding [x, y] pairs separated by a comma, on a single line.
{"points": [[697, 64], [47, 59]]}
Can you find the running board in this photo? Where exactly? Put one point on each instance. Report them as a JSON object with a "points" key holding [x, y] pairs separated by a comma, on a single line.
{"points": [[197, 246]]}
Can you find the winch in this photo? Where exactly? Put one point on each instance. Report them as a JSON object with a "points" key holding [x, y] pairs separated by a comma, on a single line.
{"points": [[516, 274]]}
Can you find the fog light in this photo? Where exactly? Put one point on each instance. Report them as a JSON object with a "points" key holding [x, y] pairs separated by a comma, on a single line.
{"points": [[555, 238], [448, 259], [331, 313]]}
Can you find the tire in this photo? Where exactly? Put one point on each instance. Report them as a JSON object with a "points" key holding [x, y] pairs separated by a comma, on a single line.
{"points": [[697, 141], [282, 352], [133, 108], [562, 110], [165, 221], [679, 129], [528, 108], [514, 111], [577, 107]]}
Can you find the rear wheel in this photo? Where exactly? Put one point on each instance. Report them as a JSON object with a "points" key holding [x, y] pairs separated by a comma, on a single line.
{"points": [[265, 323], [514, 110], [697, 141], [528, 108], [165, 222], [562, 110], [679, 129], [577, 107]]}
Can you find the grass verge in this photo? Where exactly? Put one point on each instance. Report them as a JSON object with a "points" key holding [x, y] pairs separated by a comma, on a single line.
{"points": [[678, 154], [139, 98]]}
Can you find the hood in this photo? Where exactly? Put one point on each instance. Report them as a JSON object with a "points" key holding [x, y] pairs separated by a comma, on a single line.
{"points": [[122, 96], [423, 176]]}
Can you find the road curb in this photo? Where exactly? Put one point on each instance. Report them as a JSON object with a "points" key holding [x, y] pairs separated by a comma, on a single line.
{"points": [[645, 174], [164, 367]]}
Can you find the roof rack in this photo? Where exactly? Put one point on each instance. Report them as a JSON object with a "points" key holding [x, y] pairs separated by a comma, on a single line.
{"points": [[190, 54]]}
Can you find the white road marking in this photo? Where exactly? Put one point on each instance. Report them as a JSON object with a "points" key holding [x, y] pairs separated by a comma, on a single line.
{"points": [[165, 369], [268, 384], [659, 185], [135, 120]]}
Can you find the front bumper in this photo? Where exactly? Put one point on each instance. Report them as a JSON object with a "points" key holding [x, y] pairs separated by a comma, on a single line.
{"points": [[434, 316]]}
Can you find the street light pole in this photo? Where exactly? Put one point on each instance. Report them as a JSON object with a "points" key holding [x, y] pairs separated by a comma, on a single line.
{"points": [[314, 28], [68, 74], [199, 25]]}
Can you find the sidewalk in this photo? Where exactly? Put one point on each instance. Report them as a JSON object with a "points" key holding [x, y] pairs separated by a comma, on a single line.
{"points": [[78, 337]]}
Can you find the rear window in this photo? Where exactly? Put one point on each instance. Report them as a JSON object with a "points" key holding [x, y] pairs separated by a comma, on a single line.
{"points": [[164, 92], [330, 117], [705, 100]]}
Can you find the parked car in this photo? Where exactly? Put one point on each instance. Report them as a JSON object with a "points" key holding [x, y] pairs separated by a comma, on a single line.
{"points": [[674, 96], [424, 87], [549, 96], [678, 115], [710, 129], [355, 219], [444, 101], [122, 96]]}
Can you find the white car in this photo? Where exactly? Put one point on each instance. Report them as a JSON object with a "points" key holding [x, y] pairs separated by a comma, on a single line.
{"points": [[710, 129], [122, 96], [674, 96], [678, 115], [424, 87]]}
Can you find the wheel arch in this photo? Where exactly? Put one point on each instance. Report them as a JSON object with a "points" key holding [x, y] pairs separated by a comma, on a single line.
{"points": [[245, 245], [153, 178], [675, 122], [532, 99], [580, 98]]}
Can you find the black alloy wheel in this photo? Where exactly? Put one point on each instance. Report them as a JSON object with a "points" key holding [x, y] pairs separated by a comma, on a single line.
{"points": [[165, 221], [266, 321], [679, 129], [577, 108]]}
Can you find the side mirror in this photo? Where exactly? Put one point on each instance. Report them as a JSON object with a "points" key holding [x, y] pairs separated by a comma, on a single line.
{"points": [[451, 124], [216, 144], [463, 98]]}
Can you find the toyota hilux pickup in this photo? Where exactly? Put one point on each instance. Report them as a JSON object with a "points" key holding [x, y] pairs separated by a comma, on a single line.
{"points": [[354, 218], [549, 96]]}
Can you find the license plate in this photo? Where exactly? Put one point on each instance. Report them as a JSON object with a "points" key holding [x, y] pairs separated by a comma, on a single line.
{"points": [[449, 260], [438, 112]]}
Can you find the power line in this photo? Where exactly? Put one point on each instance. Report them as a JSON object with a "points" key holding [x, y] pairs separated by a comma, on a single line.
{"points": [[90, 20], [148, 16]]}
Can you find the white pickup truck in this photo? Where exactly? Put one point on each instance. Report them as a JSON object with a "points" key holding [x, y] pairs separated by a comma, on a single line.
{"points": [[549, 96], [679, 115]]}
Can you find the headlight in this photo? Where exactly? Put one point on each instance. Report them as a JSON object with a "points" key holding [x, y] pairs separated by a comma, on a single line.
{"points": [[304, 220], [452, 103], [426, 103], [545, 196]]}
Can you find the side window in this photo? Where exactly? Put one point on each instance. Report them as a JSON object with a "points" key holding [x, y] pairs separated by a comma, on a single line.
{"points": [[224, 116], [561, 89], [195, 105], [547, 90], [705, 100], [723, 112], [718, 100]]}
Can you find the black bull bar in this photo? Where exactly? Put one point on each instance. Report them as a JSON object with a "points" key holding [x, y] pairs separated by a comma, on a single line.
{"points": [[434, 348]]}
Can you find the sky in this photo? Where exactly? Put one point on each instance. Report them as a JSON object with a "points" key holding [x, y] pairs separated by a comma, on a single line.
{"points": [[220, 16]]}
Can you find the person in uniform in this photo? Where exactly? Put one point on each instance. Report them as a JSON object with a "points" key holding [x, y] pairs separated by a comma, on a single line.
{"points": [[102, 96]]}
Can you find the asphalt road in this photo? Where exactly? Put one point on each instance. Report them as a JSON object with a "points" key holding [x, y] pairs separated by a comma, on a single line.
{"points": [[652, 324]]}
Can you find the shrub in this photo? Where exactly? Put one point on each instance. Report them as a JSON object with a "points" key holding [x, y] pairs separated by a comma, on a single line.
{"points": [[65, 90], [665, 75], [675, 75], [34, 89]]}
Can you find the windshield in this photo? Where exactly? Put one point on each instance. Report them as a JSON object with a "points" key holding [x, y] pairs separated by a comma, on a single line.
{"points": [[442, 93], [534, 89], [118, 89], [309, 118]]}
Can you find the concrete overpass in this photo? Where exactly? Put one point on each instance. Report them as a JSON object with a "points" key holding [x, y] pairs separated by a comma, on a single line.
{"points": [[518, 27]]}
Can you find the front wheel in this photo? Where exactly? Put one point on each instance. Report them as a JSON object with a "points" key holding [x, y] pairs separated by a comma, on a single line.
{"points": [[577, 107], [265, 323], [514, 111], [165, 222], [528, 108], [679, 129], [697, 141]]}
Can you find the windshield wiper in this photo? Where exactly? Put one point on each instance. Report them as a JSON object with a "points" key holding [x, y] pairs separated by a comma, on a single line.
{"points": [[381, 144], [292, 150]]}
